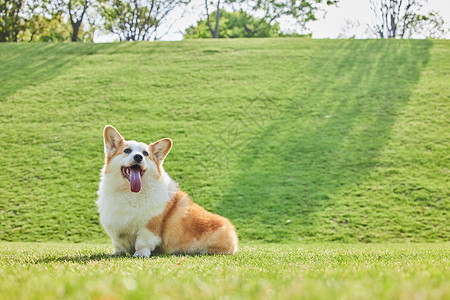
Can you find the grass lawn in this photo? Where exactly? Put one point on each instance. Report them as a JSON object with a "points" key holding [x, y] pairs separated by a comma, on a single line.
{"points": [[292, 139], [258, 271], [299, 142]]}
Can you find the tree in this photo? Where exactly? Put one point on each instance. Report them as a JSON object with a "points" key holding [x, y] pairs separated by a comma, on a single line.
{"points": [[233, 25], [44, 21], [76, 10], [271, 11], [404, 19], [46, 29], [301, 10], [136, 20], [39, 20], [11, 21]]}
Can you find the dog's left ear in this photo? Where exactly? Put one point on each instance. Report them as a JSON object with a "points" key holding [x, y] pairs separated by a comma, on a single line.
{"points": [[160, 149], [112, 139]]}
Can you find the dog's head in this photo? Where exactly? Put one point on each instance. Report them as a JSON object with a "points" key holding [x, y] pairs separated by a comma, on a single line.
{"points": [[132, 160]]}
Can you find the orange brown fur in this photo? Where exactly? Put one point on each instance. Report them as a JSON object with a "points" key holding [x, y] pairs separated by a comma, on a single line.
{"points": [[186, 227]]}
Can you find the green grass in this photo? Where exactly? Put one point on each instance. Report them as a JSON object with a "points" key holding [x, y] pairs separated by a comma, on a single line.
{"points": [[82, 271], [299, 142], [292, 139]]}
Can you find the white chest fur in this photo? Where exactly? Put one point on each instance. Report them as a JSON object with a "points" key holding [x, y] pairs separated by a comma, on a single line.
{"points": [[124, 213]]}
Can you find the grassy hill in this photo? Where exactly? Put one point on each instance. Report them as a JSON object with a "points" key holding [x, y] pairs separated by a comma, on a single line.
{"points": [[292, 139]]}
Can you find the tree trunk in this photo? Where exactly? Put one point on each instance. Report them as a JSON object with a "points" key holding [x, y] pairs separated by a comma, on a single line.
{"points": [[76, 29], [216, 29], [76, 22], [215, 32]]}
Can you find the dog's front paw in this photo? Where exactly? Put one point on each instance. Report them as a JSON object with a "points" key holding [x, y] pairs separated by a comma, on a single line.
{"points": [[144, 252]]}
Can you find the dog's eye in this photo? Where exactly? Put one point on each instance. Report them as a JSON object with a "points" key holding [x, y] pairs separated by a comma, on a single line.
{"points": [[145, 153], [127, 151]]}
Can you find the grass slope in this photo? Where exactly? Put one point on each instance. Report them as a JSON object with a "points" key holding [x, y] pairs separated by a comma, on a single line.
{"points": [[292, 139], [68, 271]]}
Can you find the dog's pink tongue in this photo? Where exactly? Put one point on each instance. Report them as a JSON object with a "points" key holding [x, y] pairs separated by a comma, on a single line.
{"points": [[135, 180]]}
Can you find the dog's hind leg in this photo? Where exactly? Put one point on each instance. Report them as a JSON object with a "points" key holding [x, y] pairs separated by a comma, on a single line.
{"points": [[223, 241]]}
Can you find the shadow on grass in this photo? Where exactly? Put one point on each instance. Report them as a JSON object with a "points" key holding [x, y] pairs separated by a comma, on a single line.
{"points": [[325, 139], [30, 64], [75, 259], [83, 259]]}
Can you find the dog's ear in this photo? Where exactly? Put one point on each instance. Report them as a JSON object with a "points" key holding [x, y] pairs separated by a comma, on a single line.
{"points": [[160, 149], [112, 139]]}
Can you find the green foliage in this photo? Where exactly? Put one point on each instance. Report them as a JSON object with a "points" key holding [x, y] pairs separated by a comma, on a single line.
{"points": [[49, 271], [136, 20], [43, 29], [11, 21], [242, 23], [130, 20], [236, 24], [300, 11], [319, 140], [54, 29], [41, 21]]}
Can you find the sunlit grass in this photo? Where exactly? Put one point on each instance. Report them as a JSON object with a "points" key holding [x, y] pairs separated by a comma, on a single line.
{"points": [[259, 271]]}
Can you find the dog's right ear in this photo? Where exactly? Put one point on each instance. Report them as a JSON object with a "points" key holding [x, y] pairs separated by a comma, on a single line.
{"points": [[112, 139]]}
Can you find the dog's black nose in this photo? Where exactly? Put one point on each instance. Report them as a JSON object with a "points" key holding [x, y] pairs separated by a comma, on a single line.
{"points": [[138, 158]]}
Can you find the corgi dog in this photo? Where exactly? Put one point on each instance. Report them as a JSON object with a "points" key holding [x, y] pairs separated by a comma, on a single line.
{"points": [[143, 210]]}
